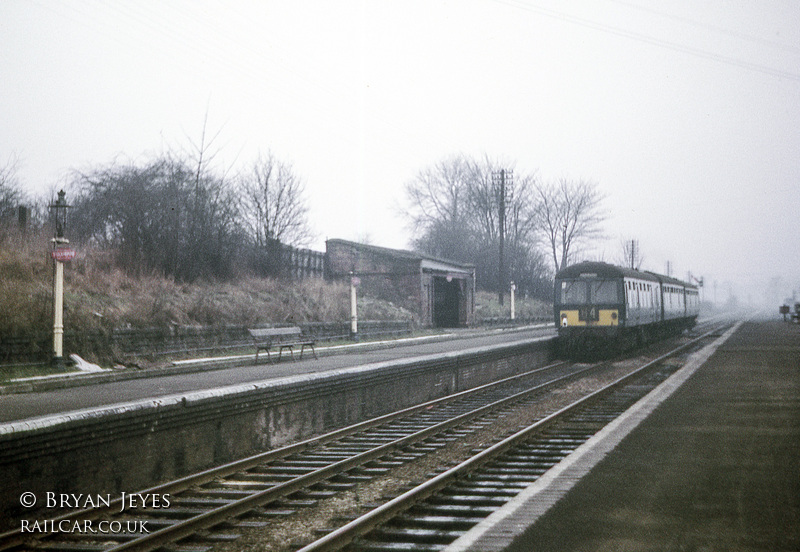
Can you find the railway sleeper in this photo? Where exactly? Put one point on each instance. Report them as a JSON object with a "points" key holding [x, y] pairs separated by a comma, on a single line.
{"points": [[496, 491], [528, 462], [265, 478], [366, 546], [473, 483], [313, 494], [512, 478], [221, 537], [274, 512], [242, 483], [295, 504], [303, 462], [462, 523], [414, 534], [199, 501], [291, 471], [232, 494], [353, 478], [72, 546], [540, 455], [466, 500], [336, 486], [335, 452], [175, 511], [447, 509]]}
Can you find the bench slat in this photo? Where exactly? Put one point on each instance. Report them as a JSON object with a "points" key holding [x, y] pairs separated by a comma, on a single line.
{"points": [[265, 332]]}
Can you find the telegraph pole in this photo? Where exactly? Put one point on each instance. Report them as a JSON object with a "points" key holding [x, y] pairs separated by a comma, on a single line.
{"points": [[502, 181]]}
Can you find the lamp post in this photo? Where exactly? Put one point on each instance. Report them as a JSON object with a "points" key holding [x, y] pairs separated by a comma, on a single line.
{"points": [[61, 253], [513, 310], [355, 281]]}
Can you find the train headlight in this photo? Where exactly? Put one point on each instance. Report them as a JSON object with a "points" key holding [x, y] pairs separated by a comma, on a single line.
{"points": [[564, 323]]}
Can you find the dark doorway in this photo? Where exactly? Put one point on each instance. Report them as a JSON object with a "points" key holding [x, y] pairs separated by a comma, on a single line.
{"points": [[446, 302]]}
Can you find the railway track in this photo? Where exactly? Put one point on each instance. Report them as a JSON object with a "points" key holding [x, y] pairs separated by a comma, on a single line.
{"points": [[435, 513], [345, 457], [215, 506]]}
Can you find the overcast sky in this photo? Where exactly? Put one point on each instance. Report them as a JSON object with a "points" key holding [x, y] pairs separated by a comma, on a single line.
{"points": [[686, 113]]}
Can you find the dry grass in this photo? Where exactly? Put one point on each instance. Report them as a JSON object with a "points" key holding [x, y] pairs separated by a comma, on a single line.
{"points": [[487, 306], [26, 276], [99, 295]]}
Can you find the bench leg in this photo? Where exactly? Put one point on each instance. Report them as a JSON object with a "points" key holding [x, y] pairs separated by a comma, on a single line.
{"points": [[282, 347], [303, 348]]}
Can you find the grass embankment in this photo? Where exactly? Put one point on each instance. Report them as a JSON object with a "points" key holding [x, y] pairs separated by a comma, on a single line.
{"points": [[99, 296]]}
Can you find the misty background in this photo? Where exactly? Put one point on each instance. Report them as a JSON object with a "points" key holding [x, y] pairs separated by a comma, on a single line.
{"points": [[684, 115]]}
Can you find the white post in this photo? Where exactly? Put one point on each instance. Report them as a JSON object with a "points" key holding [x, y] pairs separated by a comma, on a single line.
{"points": [[58, 312], [59, 209], [353, 308], [513, 287]]}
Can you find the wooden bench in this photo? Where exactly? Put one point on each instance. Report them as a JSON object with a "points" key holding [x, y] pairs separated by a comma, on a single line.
{"points": [[266, 339]]}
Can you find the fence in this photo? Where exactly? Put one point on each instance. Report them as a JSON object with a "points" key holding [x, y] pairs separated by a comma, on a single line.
{"points": [[304, 263], [276, 259], [176, 340]]}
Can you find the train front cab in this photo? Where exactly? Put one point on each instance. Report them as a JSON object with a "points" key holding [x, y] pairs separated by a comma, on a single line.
{"points": [[588, 303], [605, 307], [588, 308]]}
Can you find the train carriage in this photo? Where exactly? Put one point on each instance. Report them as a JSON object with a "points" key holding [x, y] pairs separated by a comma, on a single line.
{"points": [[601, 308]]}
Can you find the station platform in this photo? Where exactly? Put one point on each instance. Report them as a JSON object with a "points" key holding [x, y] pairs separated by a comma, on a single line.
{"points": [[123, 435], [714, 466], [22, 400]]}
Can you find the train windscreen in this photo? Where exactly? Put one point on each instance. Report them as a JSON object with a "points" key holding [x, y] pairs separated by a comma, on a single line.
{"points": [[582, 292]]}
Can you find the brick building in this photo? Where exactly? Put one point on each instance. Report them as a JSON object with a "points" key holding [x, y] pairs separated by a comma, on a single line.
{"points": [[440, 293]]}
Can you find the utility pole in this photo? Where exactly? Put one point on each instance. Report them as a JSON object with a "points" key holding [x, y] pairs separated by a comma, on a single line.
{"points": [[502, 181], [633, 254]]}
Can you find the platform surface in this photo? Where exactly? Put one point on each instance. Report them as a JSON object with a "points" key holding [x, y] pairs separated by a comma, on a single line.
{"points": [[100, 393], [715, 467]]}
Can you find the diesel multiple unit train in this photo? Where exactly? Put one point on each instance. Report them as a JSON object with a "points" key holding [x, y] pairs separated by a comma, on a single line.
{"points": [[601, 309]]}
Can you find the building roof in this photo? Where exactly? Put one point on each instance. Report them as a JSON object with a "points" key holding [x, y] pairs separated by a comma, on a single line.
{"points": [[430, 260]]}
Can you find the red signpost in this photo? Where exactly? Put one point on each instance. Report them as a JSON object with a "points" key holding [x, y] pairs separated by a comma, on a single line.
{"points": [[63, 254]]}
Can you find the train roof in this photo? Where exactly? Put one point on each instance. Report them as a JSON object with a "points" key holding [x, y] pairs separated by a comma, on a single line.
{"points": [[602, 270], [672, 281], [606, 270]]}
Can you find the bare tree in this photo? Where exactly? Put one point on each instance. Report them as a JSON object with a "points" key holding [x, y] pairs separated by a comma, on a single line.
{"points": [[159, 217], [438, 199], [570, 216], [10, 190], [454, 213], [11, 195], [273, 204]]}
